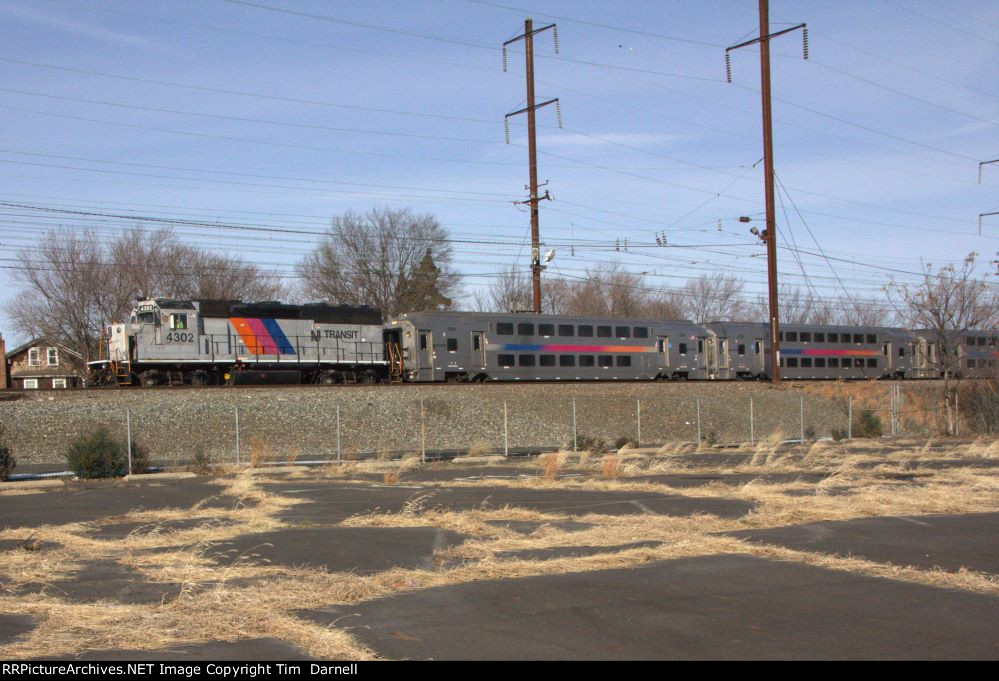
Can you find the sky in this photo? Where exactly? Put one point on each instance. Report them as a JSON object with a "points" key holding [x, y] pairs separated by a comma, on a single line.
{"points": [[260, 120]]}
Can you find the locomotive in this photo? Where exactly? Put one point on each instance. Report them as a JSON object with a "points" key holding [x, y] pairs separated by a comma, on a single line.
{"points": [[209, 342]]}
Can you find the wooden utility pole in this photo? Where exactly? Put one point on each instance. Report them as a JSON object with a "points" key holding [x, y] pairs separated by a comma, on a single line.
{"points": [[532, 148], [769, 235]]}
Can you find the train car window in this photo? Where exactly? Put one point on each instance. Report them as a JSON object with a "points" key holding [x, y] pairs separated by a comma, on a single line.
{"points": [[782, 361], [476, 342], [605, 360], [641, 332], [452, 345], [547, 360], [603, 332], [872, 362], [872, 339], [683, 349], [546, 329], [525, 329], [858, 363], [981, 340], [832, 338], [969, 340], [858, 338], [586, 360], [820, 337], [622, 331], [756, 347], [992, 341], [700, 346], [504, 329], [806, 362], [792, 336], [780, 336], [505, 360], [178, 321], [792, 362], [834, 362], [742, 349], [526, 360], [567, 360], [566, 330], [423, 341], [624, 360], [585, 331], [806, 337], [901, 352], [820, 362], [970, 363]]}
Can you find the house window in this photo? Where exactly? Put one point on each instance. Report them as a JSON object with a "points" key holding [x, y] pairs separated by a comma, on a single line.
{"points": [[58, 382], [31, 384], [53, 357], [33, 358]]}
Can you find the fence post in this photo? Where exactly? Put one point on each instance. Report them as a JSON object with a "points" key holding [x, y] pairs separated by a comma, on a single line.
{"points": [[752, 425], [128, 428], [506, 433], [849, 418], [638, 412], [957, 414], [698, 422], [338, 454], [574, 424], [423, 432], [801, 417], [237, 435]]}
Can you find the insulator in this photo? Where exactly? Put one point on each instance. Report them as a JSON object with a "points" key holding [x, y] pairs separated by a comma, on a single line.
{"points": [[555, 34], [617, 244], [558, 113], [804, 41], [504, 57], [506, 129], [626, 245], [728, 68]]}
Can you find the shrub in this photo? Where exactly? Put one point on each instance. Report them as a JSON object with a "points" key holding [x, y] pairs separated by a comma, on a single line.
{"points": [[624, 441], [97, 455], [610, 467], [980, 407], [480, 448], [838, 434], [7, 460], [711, 439], [202, 463], [140, 459], [810, 434], [867, 424], [593, 445]]}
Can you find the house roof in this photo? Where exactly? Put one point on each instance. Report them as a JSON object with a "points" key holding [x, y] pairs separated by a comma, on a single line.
{"points": [[39, 342]]}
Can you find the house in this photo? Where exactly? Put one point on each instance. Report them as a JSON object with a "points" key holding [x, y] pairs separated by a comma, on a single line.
{"points": [[39, 364], [4, 378]]}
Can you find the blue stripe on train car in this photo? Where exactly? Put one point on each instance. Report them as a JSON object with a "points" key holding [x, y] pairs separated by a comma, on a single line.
{"points": [[281, 340]]}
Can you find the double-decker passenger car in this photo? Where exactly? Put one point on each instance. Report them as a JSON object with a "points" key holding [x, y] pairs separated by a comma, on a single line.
{"points": [[467, 346], [206, 342]]}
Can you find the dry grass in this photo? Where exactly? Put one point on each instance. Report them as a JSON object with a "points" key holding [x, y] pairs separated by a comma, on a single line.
{"points": [[260, 452], [610, 467], [228, 597], [549, 465], [480, 448], [391, 477]]}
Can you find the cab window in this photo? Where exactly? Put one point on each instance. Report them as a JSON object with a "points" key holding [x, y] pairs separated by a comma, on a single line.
{"points": [[178, 322]]}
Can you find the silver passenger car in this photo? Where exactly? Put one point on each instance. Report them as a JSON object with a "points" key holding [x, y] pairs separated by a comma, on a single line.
{"points": [[473, 346]]}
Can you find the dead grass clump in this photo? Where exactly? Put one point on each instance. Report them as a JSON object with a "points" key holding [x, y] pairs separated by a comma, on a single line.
{"points": [[610, 467], [391, 477], [549, 465], [766, 449], [676, 447], [260, 452], [292, 455], [384, 455], [480, 448]]}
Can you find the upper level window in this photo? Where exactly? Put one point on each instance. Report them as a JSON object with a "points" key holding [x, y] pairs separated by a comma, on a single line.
{"points": [[504, 329], [820, 337], [525, 329], [603, 332], [791, 336], [806, 337], [586, 331], [566, 330], [34, 359], [546, 329], [622, 331], [53, 357], [872, 338], [641, 332]]}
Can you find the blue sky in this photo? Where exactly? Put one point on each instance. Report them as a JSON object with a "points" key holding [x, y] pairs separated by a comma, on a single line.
{"points": [[224, 112]]}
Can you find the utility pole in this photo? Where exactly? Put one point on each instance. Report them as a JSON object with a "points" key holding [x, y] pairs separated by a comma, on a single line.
{"points": [[532, 147], [769, 235]]}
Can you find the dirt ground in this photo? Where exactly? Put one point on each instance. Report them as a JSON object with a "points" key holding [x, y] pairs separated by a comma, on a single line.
{"points": [[354, 560]]}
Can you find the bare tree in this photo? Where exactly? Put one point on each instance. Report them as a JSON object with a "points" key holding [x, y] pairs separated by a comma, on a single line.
{"points": [[511, 290], [369, 259], [608, 291], [864, 311], [73, 284], [714, 297], [946, 304]]}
